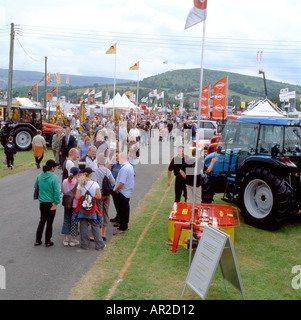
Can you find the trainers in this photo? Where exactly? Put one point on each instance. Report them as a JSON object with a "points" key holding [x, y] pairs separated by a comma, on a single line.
{"points": [[74, 243], [66, 243]]}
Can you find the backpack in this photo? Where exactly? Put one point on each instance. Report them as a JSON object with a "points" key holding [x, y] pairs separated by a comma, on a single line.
{"points": [[107, 187], [88, 201]]}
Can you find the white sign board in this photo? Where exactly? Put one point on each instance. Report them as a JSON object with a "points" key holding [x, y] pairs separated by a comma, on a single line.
{"points": [[215, 247]]}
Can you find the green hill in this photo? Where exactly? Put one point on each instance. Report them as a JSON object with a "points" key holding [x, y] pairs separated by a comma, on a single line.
{"points": [[242, 88]]}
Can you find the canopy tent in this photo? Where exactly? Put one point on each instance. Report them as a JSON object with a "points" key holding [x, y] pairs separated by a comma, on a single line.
{"points": [[164, 109], [129, 102], [119, 102], [263, 108]]}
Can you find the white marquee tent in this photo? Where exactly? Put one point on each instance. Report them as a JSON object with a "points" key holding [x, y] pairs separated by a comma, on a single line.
{"points": [[263, 108], [120, 103]]}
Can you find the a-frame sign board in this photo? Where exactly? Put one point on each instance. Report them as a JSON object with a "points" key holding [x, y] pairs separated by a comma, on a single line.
{"points": [[215, 247]]}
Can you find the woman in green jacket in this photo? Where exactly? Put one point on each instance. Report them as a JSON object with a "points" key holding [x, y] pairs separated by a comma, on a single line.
{"points": [[49, 198]]}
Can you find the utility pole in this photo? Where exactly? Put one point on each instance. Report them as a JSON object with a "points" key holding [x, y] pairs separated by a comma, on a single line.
{"points": [[10, 72]]}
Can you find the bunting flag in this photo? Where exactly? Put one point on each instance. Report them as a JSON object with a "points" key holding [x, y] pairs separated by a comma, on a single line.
{"points": [[42, 79], [54, 90], [219, 107], [58, 78], [112, 49], [67, 80], [197, 14], [135, 66], [153, 93], [35, 87], [205, 102]]}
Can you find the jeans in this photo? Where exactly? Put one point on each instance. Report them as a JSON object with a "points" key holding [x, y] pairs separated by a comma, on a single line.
{"points": [[47, 217], [69, 225]]}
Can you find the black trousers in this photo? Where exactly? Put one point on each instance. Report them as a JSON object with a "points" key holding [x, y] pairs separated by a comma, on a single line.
{"points": [[122, 206], [180, 187], [47, 217], [38, 160]]}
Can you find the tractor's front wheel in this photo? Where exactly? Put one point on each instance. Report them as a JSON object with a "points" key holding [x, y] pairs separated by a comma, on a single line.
{"points": [[265, 198]]}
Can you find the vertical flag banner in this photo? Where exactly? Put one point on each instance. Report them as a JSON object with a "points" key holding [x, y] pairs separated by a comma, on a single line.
{"points": [[205, 102], [112, 49], [58, 78], [219, 108], [67, 80], [197, 14]]}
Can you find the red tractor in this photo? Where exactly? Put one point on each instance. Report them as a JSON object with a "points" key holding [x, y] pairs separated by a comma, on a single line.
{"points": [[23, 123]]}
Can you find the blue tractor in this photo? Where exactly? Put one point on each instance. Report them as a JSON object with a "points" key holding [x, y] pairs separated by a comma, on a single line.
{"points": [[259, 169]]}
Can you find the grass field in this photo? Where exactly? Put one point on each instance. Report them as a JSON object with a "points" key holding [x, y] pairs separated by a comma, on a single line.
{"points": [[138, 266]]}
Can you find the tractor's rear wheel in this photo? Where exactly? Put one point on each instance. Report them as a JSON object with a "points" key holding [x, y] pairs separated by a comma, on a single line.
{"points": [[265, 198], [23, 138]]}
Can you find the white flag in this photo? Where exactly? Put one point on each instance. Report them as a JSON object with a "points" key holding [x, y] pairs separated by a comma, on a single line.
{"points": [[153, 93], [98, 95], [179, 96], [197, 14], [160, 95]]}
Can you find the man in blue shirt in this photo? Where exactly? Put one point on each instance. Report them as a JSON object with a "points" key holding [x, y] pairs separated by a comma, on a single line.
{"points": [[123, 190]]}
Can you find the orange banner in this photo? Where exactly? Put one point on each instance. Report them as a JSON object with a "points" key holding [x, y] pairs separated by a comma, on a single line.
{"points": [[205, 102], [219, 108]]}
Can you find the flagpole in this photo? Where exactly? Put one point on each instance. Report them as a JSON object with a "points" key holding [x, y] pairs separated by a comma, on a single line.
{"points": [[138, 84], [197, 142], [114, 111]]}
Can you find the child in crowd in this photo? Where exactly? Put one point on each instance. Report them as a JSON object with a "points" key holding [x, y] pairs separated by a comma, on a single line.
{"points": [[10, 151]]}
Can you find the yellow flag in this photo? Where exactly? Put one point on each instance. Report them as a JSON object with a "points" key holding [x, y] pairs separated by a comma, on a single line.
{"points": [[135, 66], [67, 80], [112, 49], [58, 78], [48, 76]]}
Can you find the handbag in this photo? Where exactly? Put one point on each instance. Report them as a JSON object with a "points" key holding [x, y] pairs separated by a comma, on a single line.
{"points": [[36, 192], [68, 197]]}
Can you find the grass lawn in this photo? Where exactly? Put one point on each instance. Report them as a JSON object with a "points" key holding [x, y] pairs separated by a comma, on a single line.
{"points": [[24, 160], [138, 266]]}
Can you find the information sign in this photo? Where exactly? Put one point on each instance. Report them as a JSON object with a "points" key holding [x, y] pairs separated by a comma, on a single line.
{"points": [[215, 247]]}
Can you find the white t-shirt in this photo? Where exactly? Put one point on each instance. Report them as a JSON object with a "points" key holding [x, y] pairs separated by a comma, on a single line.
{"points": [[69, 164], [92, 186]]}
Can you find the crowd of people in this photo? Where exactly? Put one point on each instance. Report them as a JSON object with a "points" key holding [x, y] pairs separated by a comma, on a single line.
{"points": [[101, 152]]}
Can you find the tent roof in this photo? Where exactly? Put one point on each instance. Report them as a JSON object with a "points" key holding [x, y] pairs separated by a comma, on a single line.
{"points": [[120, 103], [263, 108]]}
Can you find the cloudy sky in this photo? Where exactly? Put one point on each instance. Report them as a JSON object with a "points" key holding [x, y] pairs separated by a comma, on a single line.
{"points": [[74, 35]]}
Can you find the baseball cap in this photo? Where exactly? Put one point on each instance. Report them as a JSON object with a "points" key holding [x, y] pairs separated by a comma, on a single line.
{"points": [[74, 171], [88, 170]]}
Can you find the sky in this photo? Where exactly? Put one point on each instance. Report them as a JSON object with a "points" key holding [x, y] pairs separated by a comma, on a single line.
{"points": [[74, 35]]}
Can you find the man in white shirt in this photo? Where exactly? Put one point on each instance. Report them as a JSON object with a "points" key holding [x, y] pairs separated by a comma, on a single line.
{"points": [[89, 160], [135, 132], [69, 163]]}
